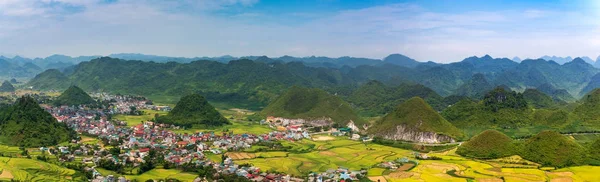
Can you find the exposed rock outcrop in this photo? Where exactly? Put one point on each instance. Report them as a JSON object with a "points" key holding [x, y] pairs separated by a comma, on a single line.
{"points": [[404, 133]]}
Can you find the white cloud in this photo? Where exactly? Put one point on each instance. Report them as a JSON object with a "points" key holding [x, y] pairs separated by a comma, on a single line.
{"points": [[188, 28]]}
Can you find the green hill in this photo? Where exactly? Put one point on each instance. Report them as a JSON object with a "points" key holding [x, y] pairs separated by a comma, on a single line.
{"points": [[588, 110], [375, 98], [74, 96], [489, 144], [550, 148], [7, 87], [27, 124], [48, 80], [594, 152], [475, 88], [414, 120], [193, 110], [538, 99], [307, 103]]}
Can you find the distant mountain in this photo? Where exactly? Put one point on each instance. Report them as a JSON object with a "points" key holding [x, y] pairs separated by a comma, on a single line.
{"points": [[312, 104], [597, 63], [559, 60], [538, 99], [377, 98], [74, 96], [193, 110], [401, 60], [7, 87], [415, 121], [489, 144], [556, 94], [517, 59], [475, 88], [588, 60], [26, 124]]}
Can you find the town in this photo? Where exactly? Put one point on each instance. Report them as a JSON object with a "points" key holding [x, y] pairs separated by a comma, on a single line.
{"points": [[134, 144]]}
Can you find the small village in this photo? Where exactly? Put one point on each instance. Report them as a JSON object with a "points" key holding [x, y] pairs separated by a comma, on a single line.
{"points": [[134, 143]]}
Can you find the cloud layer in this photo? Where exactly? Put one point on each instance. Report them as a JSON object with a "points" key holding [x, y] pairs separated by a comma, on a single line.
{"points": [[239, 27]]}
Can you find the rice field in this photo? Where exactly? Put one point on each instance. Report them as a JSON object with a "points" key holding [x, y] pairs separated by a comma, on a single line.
{"points": [[357, 155], [154, 174], [23, 169]]}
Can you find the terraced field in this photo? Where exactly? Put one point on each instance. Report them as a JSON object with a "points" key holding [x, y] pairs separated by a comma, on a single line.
{"points": [[155, 174], [23, 169], [356, 155]]}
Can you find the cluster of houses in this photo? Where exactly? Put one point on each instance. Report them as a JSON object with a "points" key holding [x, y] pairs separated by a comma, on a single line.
{"points": [[340, 174], [136, 142]]}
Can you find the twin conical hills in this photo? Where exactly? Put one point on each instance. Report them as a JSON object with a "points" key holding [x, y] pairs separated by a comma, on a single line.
{"points": [[193, 110], [488, 144], [26, 124], [7, 87], [550, 148], [74, 96], [415, 121], [312, 104]]}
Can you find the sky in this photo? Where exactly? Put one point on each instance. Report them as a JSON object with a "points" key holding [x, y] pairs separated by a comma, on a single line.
{"points": [[429, 30]]}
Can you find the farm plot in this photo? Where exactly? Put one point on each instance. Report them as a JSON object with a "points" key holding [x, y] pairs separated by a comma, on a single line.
{"points": [[22, 169]]}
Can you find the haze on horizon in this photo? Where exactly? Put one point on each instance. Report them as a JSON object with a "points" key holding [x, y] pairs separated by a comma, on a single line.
{"points": [[441, 31]]}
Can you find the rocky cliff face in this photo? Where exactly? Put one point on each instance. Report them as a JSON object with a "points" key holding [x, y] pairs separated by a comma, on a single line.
{"points": [[411, 134]]}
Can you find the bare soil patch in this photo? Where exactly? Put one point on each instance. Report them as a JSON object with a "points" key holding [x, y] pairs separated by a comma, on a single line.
{"points": [[563, 179], [488, 180], [322, 138], [401, 175], [406, 167], [378, 179], [240, 155], [6, 174], [327, 153]]}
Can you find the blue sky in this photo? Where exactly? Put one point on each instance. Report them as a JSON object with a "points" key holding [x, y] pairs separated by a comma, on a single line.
{"points": [[437, 30]]}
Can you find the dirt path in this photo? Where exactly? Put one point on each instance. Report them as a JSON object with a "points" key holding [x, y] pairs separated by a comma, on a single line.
{"points": [[6, 175], [323, 138]]}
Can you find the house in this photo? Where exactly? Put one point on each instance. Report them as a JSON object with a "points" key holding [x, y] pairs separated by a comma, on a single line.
{"points": [[355, 136]]}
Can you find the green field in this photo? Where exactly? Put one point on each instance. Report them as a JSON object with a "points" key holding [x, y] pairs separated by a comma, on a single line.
{"points": [[155, 174], [135, 120], [327, 155], [237, 127], [23, 169]]}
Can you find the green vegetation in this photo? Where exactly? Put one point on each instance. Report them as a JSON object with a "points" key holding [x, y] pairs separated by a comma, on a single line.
{"points": [[538, 99], [500, 98], [306, 103], [27, 124], [475, 88], [374, 98], [147, 115], [550, 148], [74, 96], [23, 169], [193, 110], [489, 144], [588, 111], [416, 115], [7, 87]]}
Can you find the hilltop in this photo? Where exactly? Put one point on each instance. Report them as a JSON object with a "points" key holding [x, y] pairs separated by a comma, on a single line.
{"points": [[193, 110], [26, 124], [588, 110], [311, 104], [489, 144], [7, 87], [48, 80], [377, 98], [414, 120], [74, 96], [538, 99], [550, 148]]}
